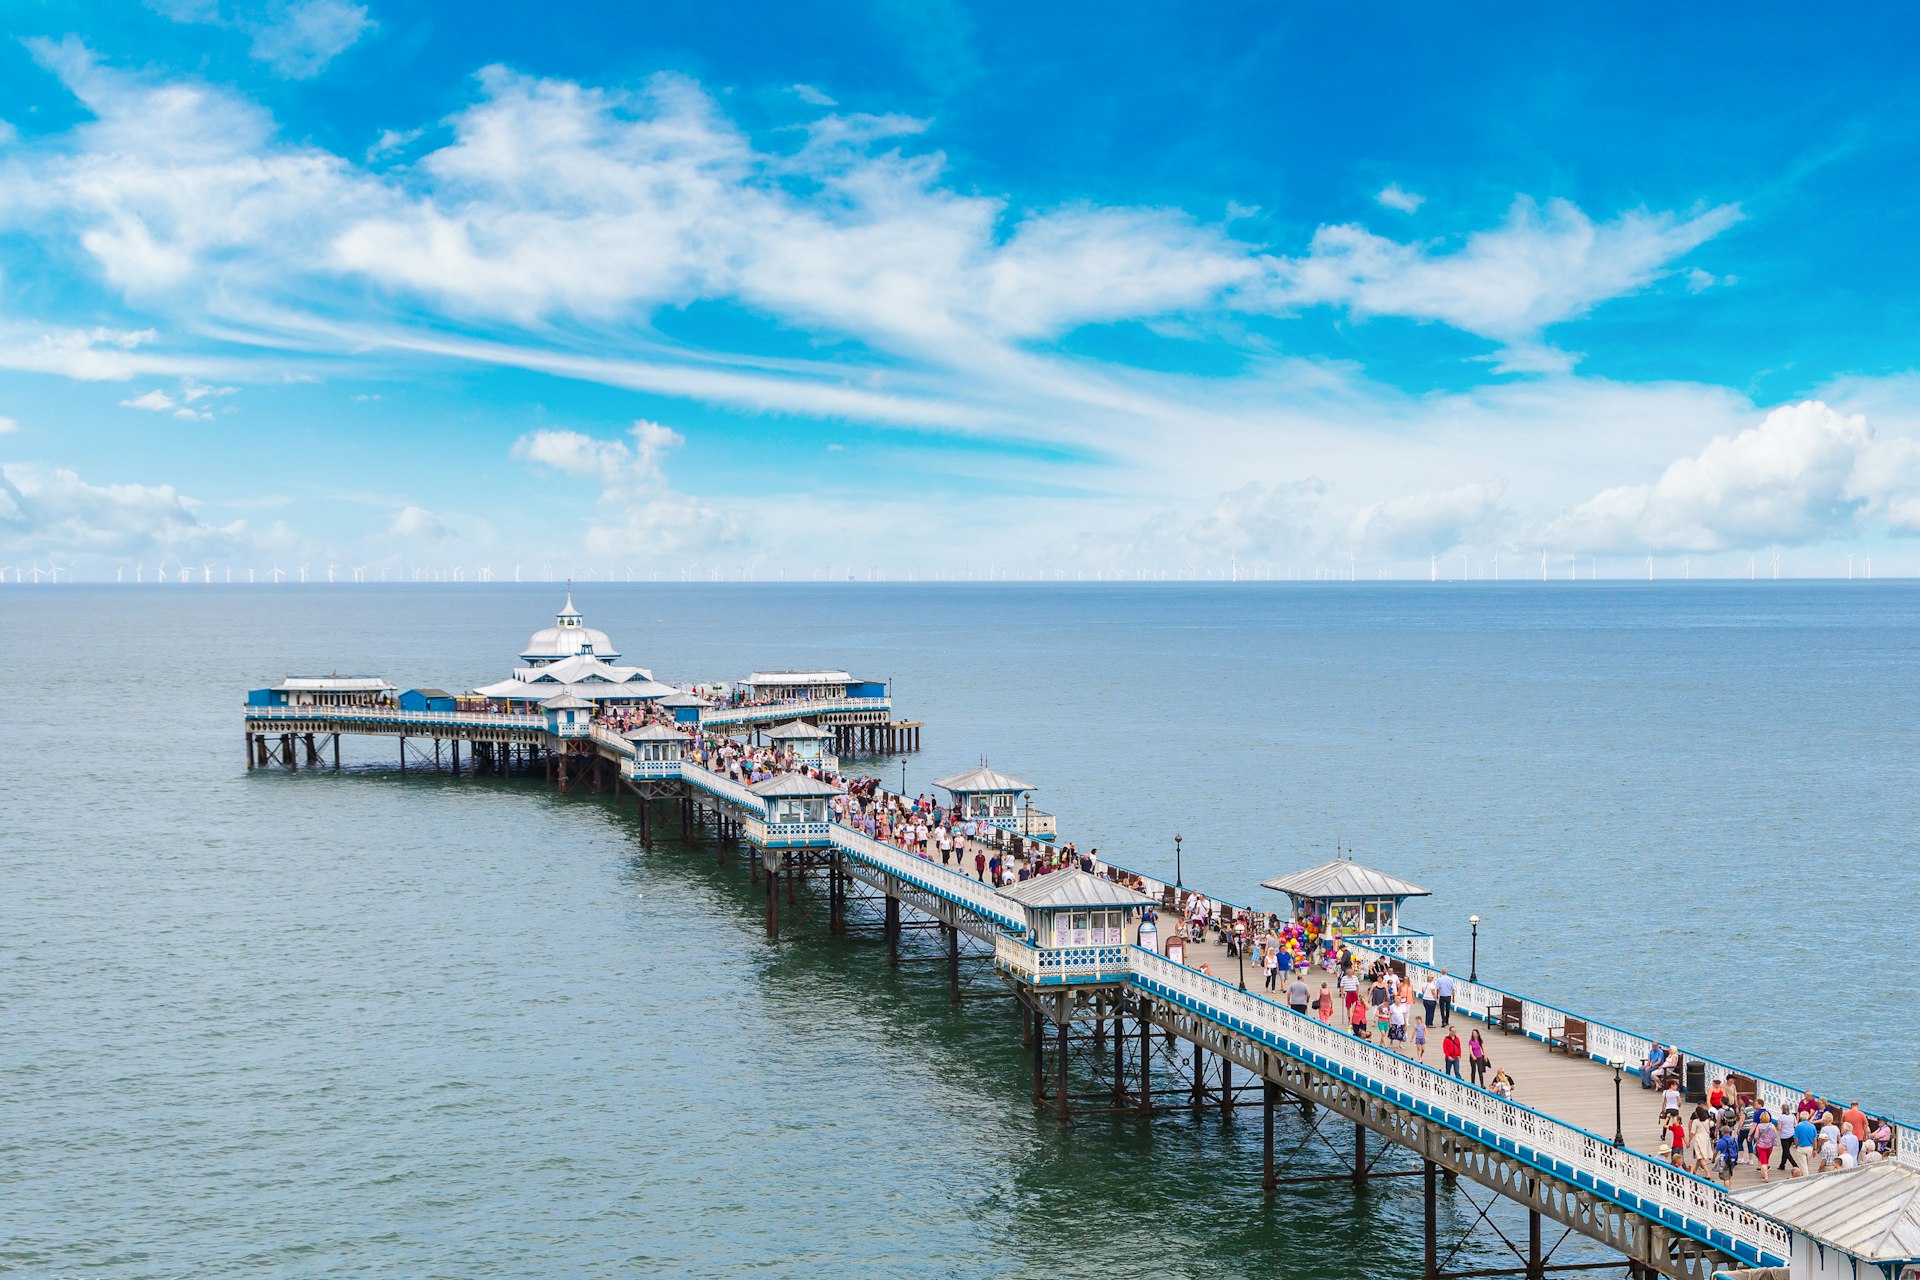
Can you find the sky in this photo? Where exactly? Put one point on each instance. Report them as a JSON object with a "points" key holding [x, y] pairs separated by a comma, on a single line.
{"points": [[891, 289]]}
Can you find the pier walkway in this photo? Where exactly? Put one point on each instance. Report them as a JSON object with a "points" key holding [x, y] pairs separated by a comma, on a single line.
{"points": [[1114, 1009]]}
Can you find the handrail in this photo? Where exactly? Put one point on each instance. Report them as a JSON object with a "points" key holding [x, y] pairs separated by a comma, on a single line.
{"points": [[474, 719], [1607, 1042], [790, 710], [941, 881], [1637, 1181], [725, 788]]}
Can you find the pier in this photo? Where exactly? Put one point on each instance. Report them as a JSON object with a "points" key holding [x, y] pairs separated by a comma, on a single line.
{"points": [[1117, 1019]]}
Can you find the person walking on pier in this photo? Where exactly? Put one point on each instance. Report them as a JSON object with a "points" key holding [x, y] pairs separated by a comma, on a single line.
{"points": [[1450, 1053], [1272, 963], [1298, 996], [1357, 1015], [1766, 1136], [1477, 1058], [1430, 997], [1443, 989], [1419, 1041], [1326, 1004]]}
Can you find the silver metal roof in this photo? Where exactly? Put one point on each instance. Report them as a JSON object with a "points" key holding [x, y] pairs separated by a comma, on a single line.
{"points": [[1871, 1213], [795, 730], [814, 676], [1059, 890], [1340, 879], [654, 733], [679, 699], [566, 702], [789, 785], [332, 684], [981, 779]]}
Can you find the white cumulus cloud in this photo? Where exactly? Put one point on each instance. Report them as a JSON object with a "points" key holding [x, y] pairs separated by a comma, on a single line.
{"points": [[648, 516], [155, 401], [52, 510], [417, 522], [1804, 472]]}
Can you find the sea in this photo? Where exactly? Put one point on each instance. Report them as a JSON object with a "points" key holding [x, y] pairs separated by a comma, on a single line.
{"points": [[271, 1024]]}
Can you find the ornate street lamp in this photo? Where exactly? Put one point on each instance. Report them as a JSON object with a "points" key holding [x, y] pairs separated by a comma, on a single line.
{"points": [[1473, 969], [1178, 883], [1619, 1130]]}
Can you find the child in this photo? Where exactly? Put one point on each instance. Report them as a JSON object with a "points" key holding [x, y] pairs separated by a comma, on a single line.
{"points": [[1419, 1040], [1726, 1151], [1676, 1141]]}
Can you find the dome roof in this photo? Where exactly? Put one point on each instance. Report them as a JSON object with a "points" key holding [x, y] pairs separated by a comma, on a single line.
{"points": [[567, 636]]}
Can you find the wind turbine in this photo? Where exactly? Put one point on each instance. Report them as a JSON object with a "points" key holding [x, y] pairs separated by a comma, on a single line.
{"points": [[1543, 564], [139, 572], [330, 568], [303, 574], [1649, 568], [516, 573], [206, 574], [34, 569], [55, 570], [277, 573], [249, 575]]}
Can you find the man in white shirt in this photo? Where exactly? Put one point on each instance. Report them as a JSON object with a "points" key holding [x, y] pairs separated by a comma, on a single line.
{"points": [[1443, 989]]}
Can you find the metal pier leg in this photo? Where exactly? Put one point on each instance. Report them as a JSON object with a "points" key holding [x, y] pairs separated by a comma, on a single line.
{"points": [[953, 963], [1199, 1077], [893, 930], [456, 759], [1536, 1262], [249, 741], [403, 753], [1226, 1090], [1119, 1054], [1359, 1154], [1037, 1040], [773, 905], [336, 753], [1146, 1060], [1430, 1187], [1269, 1180], [1060, 1105]]}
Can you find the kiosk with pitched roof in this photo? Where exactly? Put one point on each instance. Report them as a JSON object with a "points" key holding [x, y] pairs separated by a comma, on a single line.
{"points": [[807, 742], [795, 797], [1350, 898], [657, 750], [1073, 909], [1849, 1225], [568, 716], [985, 795]]}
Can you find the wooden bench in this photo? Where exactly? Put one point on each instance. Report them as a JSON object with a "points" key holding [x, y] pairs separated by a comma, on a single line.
{"points": [[1570, 1037], [1743, 1087], [1507, 1014]]}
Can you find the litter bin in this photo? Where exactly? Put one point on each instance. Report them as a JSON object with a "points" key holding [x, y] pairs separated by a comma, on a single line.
{"points": [[1694, 1080]]}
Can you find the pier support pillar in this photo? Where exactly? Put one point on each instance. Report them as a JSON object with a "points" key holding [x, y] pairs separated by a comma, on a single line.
{"points": [[1359, 1154], [1119, 1054], [336, 753], [1146, 1058], [1536, 1261], [1430, 1193], [893, 930], [1199, 1078], [773, 906], [1269, 1094], [249, 742], [1038, 1041], [456, 757], [1226, 1090], [953, 963], [1062, 1109]]}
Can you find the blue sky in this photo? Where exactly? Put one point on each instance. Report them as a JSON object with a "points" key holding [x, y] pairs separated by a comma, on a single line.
{"points": [[924, 289]]}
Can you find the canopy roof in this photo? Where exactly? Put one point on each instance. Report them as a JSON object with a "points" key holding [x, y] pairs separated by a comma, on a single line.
{"points": [[1341, 879], [981, 779], [795, 730], [1069, 889], [1871, 1213], [331, 684], [566, 702], [654, 733], [793, 785], [679, 699], [798, 677]]}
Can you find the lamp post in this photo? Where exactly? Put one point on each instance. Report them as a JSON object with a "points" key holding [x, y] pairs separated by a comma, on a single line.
{"points": [[1178, 883], [1240, 949], [1619, 1131], [1473, 969], [903, 778]]}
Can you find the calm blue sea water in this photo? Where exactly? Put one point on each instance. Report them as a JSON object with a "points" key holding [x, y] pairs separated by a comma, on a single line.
{"points": [[271, 1025]]}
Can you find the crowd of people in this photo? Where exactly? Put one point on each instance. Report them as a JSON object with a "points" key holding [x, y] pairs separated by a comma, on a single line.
{"points": [[1374, 1001]]}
